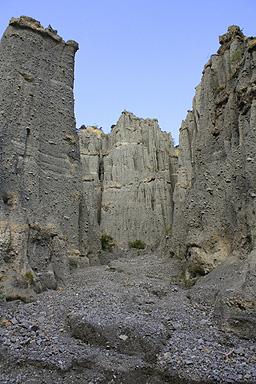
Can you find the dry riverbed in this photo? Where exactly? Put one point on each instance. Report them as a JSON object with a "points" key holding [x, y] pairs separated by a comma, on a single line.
{"points": [[125, 322]]}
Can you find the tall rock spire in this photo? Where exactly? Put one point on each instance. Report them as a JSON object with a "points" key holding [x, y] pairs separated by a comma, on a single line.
{"points": [[40, 196]]}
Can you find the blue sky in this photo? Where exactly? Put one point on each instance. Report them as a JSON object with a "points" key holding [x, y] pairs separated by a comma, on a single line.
{"points": [[145, 56]]}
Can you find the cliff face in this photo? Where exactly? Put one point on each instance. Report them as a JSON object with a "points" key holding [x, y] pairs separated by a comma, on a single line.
{"points": [[41, 208], [214, 214], [129, 178], [215, 193], [57, 197]]}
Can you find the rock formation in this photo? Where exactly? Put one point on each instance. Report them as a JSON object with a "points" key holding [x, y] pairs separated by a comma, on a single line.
{"points": [[61, 189], [41, 205], [129, 177], [214, 214], [57, 197], [215, 193]]}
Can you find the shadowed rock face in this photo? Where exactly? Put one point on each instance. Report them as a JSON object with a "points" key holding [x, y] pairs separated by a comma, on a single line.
{"points": [[129, 177], [126, 179], [41, 208], [214, 198], [216, 189]]}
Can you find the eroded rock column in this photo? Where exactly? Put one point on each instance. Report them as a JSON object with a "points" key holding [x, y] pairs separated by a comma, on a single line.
{"points": [[40, 180], [129, 177]]}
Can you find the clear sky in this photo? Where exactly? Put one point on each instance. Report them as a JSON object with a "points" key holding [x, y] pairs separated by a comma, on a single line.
{"points": [[145, 56]]}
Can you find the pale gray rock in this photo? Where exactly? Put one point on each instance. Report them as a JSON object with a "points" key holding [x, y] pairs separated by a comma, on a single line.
{"points": [[128, 334], [129, 177], [139, 172], [231, 288]]}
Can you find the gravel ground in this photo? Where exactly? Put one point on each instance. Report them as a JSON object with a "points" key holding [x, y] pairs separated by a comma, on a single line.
{"points": [[125, 322]]}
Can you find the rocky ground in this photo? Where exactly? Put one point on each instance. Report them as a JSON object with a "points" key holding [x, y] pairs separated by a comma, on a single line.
{"points": [[125, 322]]}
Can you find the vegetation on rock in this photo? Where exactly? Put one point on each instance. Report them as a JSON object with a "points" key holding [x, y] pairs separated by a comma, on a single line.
{"points": [[235, 57], [137, 244], [29, 277], [106, 243]]}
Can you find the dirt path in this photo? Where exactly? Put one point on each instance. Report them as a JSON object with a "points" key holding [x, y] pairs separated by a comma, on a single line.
{"points": [[126, 322]]}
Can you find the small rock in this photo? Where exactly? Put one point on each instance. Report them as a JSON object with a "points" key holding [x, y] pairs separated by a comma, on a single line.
{"points": [[34, 328], [123, 337]]}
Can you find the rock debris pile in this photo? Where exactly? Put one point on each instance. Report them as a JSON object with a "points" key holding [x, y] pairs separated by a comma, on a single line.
{"points": [[127, 322]]}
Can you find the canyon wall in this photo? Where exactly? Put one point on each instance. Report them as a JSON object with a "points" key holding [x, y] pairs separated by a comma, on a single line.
{"points": [[215, 194], [62, 189], [216, 188], [42, 215], [129, 177]]}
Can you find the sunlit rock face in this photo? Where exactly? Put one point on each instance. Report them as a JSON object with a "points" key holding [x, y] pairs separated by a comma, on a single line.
{"points": [[129, 178], [41, 207]]}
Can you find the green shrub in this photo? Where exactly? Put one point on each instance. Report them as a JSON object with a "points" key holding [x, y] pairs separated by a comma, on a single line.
{"points": [[138, 244], [29, 277], [106, 243], [235, 57]]}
